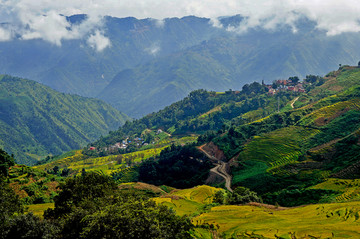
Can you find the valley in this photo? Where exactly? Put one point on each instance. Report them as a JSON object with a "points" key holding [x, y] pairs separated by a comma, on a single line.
{"points": [[141, 120], [267, 159]]}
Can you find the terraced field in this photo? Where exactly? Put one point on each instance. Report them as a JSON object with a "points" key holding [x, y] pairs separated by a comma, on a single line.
{"points": [[107, 164], [337, 220], [326, 114], [349, 189], [340, 220], [188, 201], [279, 147]]}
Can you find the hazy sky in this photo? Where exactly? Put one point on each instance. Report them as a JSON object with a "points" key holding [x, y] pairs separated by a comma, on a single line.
{"points": [[44, 18]]}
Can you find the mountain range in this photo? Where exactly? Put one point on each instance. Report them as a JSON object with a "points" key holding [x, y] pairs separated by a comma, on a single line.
{"points": [[153, 63]]}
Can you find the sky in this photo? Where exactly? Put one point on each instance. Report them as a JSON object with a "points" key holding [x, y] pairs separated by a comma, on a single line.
{"points": [[45, 19]]}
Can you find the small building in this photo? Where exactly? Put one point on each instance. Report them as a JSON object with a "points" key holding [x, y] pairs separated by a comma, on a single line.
{"points": [[92, 148]]}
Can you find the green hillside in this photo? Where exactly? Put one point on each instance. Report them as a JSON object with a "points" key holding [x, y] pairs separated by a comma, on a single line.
{"points": [[36, 121], [293, 158]]}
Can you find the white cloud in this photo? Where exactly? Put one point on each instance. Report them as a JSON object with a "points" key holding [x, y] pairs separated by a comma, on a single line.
{"points": [[160, 23], [42, 19], [98, 41], [5, 35], [216, 23], [154, 49]]}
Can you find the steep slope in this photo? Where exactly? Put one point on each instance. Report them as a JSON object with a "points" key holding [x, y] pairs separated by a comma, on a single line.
{"points": [[36, 120]]}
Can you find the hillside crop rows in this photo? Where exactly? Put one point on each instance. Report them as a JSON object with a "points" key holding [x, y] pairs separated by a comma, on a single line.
{"points": [[278, 148]]}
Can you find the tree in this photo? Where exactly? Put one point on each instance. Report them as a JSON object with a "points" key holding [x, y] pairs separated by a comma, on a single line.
{"points": [[243, 195], [30, 226], [136, 219], [219, 197], [5, 162], [294, 79], [85, 189], [9, 204], [92, 206]]}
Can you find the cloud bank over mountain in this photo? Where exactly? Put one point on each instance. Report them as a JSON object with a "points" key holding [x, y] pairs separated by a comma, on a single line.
{"points": [[44, 19]]}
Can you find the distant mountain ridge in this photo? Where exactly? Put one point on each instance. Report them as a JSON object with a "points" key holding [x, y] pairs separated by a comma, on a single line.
{"points": [[36, 120], [77, 68], [153, 63]]}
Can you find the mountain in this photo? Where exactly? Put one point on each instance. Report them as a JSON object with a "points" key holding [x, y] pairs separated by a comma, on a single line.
{"points": [[151, 63], [75, 67], [36, 120], [228, 63]]}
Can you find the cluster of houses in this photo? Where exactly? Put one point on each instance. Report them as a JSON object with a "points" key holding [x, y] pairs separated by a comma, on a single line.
{"points": [[285, 85], [126, 142]]}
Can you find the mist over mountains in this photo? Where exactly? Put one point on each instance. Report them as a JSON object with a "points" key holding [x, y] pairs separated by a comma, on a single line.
{"points": [[140, 66]]}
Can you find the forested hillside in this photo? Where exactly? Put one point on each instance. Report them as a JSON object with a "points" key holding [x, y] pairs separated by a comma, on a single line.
{"points": [[36, 121]]}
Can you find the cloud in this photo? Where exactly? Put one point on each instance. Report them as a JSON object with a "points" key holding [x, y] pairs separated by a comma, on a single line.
{"points": [[160, 23], [154, 49], [45, 18], [5, 35], [98, 41], [42, 19], [216, 23]]}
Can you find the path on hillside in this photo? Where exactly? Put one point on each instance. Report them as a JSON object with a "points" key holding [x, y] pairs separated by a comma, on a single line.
{"points": [[219, 169], [292, 103]]}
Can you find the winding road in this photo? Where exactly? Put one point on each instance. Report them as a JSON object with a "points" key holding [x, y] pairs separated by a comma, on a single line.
{"points": [[219, 169]]}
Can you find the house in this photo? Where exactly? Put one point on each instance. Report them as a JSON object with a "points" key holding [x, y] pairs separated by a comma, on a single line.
{"points": [[92, 148], [272, 91], [291, 88]]}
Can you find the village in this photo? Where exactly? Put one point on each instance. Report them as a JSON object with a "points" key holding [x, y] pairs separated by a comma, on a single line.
{"points": [[124, 144], [291, 84]]}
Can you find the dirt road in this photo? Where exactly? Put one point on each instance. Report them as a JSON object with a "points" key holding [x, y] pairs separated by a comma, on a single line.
{"points": [[293, 102], [219, 169]]}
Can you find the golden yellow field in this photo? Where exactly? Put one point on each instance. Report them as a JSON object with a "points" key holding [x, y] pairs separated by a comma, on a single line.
{"points": [[38, 209], [337, 220]]}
